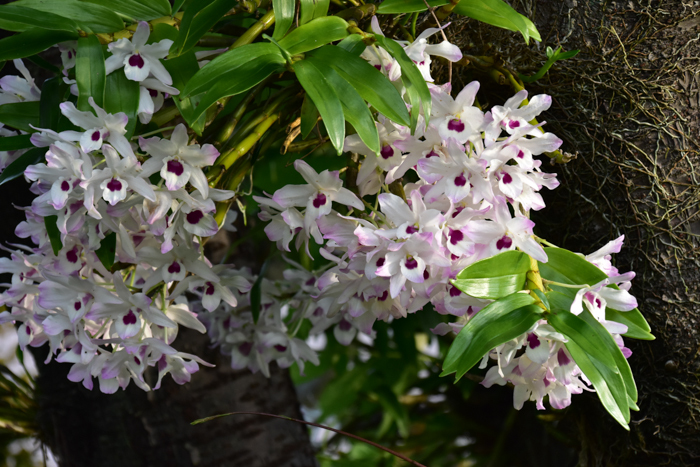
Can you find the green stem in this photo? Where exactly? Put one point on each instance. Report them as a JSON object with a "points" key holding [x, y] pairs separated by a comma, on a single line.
{"points": [[255, 30], [228, 158]]}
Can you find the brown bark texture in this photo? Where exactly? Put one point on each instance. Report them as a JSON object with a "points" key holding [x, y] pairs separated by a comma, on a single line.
{"points": [[137, 429], [628, 106]]}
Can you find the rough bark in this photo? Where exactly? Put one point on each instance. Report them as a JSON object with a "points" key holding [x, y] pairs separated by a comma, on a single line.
{"points": [[628, 106], [137, 429]]}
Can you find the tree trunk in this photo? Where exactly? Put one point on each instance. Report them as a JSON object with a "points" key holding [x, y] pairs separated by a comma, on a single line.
{"points": [[133, 428], [628, 106]]}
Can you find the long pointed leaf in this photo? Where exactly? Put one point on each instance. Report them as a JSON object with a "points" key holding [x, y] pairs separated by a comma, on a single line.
{"points": [[284, 16], [370, 83], [355, 110], [31, 42], [314, 34], [312, 9], [90, 72], [321, 91], [410, 72]]}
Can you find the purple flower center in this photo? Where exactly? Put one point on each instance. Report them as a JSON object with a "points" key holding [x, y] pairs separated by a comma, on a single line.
{"points": [[431, 154], [593, 300], [245, 348], [137, 61], [174, 268], [175, 167], [114, 185], [95, 136], [411, 263], [426, 275], [504, 242], [70, 54], [280, 348], [28, 330], [65, 186], [77, 306], [387, 151], [195, 216], [532, 341], [411, 229], [562, 358], [520, 155], [460, 180], [383, 296], [136, 359], [209, 289], [455, 125], [458, 209], [455, 292], [513, 124], [378, 67], [507, 178], [153, 92], [129, 318], [380, 262], [344, 325], [310, 282], [456, 236], [72, 255], [318, 311], [319, 200]]}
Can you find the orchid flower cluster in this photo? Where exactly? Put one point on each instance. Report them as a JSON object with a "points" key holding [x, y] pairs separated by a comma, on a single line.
{"points": [[428, 205], [457, 190], [147, 205]]}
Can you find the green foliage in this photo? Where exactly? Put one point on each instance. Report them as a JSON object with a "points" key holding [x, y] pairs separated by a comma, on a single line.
{"points": [[500, 14], [199, 17], [54, 234], [90, 72], [495, 277], [407, 6], [32, 42], [107, 250], [20, 115], [142, 10], [89, 17], [17, 168], [499, 322], [569, 268]]}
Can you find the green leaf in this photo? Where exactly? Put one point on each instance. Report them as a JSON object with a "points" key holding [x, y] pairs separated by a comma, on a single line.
{"points": [[608, 386], [137, 9], [53, 233], [569, 268], [246, 76], [591, 355], [90, 72], [369, 82], [15, 17], [32, 41], [17, 168], [163, 31], [123, 95], [230, 65], [314, 34], [393, 407], [89, 17], [177, 5], [353, 44], [500, 14], [410, 72], [309, 116], [12, 143], [494, 277], [355, 110], [321, 92], [499, 322], [52, 92], [613, 349], [200, 16], [312, 9], [182, 69], [107, 250], [408, 6], [20, 115], [553, 57], [284, 16]]}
